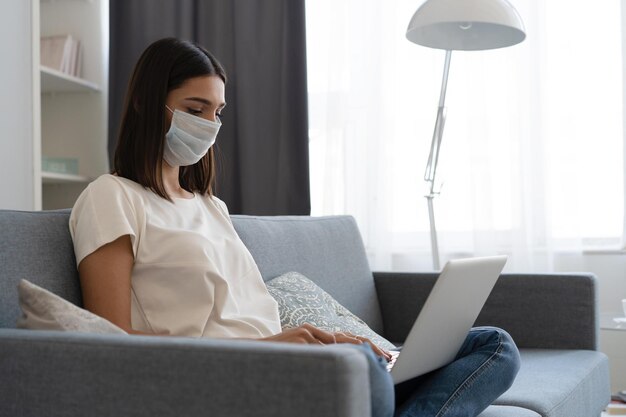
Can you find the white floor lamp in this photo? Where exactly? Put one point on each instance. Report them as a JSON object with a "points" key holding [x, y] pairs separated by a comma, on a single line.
{"points": [[466, 25]]}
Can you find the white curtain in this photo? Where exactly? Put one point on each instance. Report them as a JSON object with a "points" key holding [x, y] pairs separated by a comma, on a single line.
{"points": [[532, 150]]}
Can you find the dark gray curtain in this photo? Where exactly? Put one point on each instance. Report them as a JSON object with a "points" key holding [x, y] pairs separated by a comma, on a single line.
{"points": [[263, 143]]}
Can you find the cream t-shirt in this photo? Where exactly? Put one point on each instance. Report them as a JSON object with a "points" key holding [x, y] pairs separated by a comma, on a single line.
{"points": [[192, 275]]}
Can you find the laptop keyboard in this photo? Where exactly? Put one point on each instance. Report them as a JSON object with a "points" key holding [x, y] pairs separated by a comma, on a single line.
{"points": [[394, 356]]}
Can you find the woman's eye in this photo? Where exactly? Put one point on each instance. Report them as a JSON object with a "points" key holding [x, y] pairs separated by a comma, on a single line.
{"points": [[219, 115], [195, 112]]}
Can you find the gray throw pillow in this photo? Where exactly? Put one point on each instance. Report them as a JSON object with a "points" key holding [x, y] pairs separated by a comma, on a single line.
{"points": [[301, 301], [43, 310]]}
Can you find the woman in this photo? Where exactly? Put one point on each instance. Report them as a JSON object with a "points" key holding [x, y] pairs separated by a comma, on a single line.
{"points": [[157, 252]]}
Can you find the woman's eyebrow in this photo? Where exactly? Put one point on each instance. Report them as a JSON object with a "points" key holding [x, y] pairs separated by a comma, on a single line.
{"points": [[204, 101]]}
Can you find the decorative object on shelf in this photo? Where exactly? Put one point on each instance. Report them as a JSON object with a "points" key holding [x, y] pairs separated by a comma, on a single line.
{"points": [[62, 53], [467, 25], [59, 165]]}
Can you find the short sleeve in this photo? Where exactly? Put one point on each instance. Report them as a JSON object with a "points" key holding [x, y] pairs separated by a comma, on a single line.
{"points": [[222, 207], [102, 213]]}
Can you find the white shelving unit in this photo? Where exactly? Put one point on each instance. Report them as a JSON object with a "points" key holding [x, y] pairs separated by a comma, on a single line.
{"points": [[46, 113], [73, 110]]}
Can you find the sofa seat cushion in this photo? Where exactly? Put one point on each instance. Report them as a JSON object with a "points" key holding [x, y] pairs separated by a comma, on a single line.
{"points": [[507, 411], [560, 383]]}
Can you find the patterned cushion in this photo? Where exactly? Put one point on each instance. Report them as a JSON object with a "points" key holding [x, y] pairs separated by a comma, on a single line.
{"points": [[43, 310], [301, 301]]}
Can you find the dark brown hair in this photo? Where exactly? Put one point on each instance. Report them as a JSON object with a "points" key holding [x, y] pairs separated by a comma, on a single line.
{"points": [[164, 66]]}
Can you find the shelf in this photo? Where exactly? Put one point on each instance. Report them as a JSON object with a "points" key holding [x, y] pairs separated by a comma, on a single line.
{"points": [[56, 178], [53, 81], [61, 1]]}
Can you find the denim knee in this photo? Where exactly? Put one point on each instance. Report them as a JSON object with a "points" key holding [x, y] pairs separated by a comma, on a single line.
{"points": [[505, 348], [511, 354], [381, 384]]}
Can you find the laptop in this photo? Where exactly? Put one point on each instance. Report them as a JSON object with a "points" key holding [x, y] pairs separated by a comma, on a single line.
{"points": [[451, 309]]}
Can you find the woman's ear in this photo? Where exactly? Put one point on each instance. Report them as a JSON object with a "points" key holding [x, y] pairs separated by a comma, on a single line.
{"points": [[135, 102]]}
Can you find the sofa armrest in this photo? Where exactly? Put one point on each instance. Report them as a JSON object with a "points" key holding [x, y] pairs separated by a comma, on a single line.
{"points": [[104, 375], [551, 311]]}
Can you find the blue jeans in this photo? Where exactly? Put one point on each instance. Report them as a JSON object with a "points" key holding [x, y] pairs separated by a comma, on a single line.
{"points": [[484, 368]]}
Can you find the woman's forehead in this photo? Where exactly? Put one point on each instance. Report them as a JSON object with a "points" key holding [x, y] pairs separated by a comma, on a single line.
{"points": [[207, 89]]}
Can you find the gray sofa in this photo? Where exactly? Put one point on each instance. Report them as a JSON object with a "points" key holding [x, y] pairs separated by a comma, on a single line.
{"points": [[553, 319]]}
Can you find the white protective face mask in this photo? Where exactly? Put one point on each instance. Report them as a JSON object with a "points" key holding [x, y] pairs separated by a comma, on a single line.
{"points": [[189, 138]]}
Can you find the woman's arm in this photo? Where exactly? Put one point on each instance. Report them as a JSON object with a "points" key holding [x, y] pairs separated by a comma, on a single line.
{"points": [[105, 282]]}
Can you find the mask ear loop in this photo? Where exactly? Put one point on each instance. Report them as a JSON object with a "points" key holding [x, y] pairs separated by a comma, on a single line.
{"points": [[169, 109]]}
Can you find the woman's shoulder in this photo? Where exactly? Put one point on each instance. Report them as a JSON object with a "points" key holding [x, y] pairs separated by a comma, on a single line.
{"points": [[114, 186], [110, 190], [114, 182]]}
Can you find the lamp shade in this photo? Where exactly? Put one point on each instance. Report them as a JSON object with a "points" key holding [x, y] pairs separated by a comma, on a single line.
{"points": [[467, 25]]}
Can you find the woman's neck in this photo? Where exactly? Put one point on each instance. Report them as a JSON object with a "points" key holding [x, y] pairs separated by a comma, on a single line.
{"points": [[172, 183]]}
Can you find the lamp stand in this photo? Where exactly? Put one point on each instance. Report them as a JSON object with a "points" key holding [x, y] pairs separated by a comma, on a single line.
{"points": [[433, 159]]}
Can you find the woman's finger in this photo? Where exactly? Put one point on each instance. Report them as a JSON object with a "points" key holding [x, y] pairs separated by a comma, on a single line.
{"points": [[375, 348], [321, 335], [347, 338]]}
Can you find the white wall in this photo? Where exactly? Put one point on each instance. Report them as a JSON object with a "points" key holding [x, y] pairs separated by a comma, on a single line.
{"points": [[18, 150], [624, 101], [610, 268]]}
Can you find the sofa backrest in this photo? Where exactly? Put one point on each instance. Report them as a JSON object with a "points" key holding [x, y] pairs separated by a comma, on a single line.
{"points": [[37, 246], [328, 250]]}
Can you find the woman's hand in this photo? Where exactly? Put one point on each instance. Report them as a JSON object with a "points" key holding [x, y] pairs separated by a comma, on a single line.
{"points": [[308, 334]]}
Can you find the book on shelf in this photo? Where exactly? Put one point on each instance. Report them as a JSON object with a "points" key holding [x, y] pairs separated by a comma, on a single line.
{"points": [[62, 53]]}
